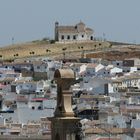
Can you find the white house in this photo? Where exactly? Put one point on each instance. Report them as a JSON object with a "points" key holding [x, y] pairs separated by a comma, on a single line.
{"points": [[8, 73], [117, 63], [134, 100], [78, 32], [92, 69], [131, 80], [40, 66], [115, 70], [33, 112], [77, 67], [96, 85], [129, 69], [26, 87], [109, 71], [105, 71], [123, 83], [41, 86], [135, 123], [117, 121]]}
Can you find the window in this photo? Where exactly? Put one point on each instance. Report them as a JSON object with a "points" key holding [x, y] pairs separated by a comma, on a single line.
{"points": [[33, 107], [82, 36], [39, 108], [74, 37], [62, 37], [88, 72], [38, 67], [117, 64], [68, 37]]}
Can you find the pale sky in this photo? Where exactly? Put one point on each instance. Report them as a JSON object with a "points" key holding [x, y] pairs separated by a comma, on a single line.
{"points": [[27, 20]]}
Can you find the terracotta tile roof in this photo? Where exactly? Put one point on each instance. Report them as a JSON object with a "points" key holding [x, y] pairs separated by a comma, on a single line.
{"points": [[8, 79], [38, 63], [21, 98], [81, 23], [67, 29], [90, 65], [108, 139], [99, 97], [32, 125], [15, 130], [137, 130], [8, 103], [89, 30], [109, 130], [80, 27], [77, 64]]}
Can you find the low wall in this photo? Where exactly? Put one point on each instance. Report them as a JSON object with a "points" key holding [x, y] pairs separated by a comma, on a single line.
{"points": [[10, 137]]}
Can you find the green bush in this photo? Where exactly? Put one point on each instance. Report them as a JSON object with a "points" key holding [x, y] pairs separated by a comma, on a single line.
{"points": [[52, 41]]}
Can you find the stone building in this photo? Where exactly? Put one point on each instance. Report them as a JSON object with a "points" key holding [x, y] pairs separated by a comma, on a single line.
{"points": [[78, 32], [64, 124]]}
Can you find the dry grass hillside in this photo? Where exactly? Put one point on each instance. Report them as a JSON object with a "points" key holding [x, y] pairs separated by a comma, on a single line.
{"points": [[52, 50], [117, 53]]}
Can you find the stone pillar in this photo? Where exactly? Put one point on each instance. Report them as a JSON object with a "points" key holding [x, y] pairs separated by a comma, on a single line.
{"points": [[64, 124]]}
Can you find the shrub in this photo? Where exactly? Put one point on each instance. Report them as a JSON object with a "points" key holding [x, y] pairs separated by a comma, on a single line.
{"points": [[52, 41]]}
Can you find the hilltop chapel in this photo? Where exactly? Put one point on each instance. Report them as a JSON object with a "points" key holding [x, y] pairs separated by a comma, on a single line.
{"points": [[78, 32]]}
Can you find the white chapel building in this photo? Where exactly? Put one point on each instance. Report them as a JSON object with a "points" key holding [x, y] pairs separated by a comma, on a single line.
{"points": [[78, 32]]}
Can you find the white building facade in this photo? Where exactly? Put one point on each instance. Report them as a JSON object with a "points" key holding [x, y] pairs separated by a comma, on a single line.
{"points": [[79, 32]]}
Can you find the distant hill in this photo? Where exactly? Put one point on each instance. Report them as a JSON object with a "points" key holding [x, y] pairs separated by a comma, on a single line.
{"points": [[114, 43], [117, 53]]}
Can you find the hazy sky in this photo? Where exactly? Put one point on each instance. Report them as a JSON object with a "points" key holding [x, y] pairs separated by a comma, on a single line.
{"points": [[27, 20]]}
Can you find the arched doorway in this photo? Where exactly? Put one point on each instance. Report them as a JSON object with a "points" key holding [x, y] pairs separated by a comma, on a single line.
{"points": [[91, 38]]}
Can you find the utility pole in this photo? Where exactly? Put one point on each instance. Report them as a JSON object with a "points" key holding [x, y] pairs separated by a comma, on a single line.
{"points": [[12, 40]]}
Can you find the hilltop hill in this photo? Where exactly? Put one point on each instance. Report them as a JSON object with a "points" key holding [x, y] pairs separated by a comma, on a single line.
{"points": [[92, 49], [52, 50]]}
